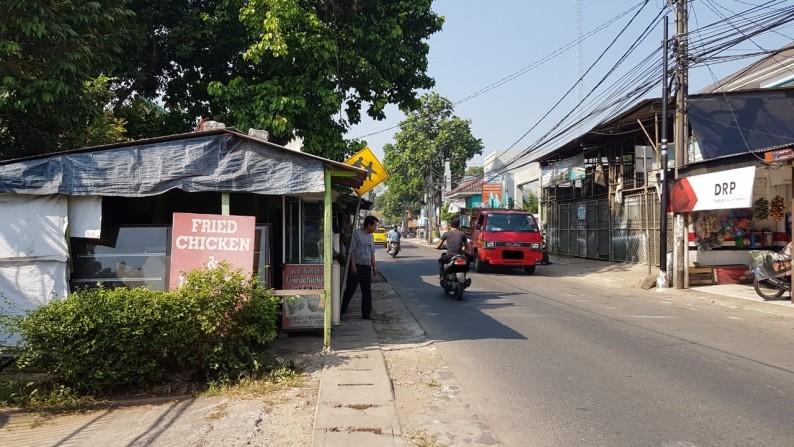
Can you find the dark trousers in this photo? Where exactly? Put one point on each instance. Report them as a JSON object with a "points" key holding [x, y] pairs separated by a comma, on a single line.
{"points": [[363, 276], [441, 261]]}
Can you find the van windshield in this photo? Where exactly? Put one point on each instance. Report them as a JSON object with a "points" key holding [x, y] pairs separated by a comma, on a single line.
{"points": [[510, 222]]}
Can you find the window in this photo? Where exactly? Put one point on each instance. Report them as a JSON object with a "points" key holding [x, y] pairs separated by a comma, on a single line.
{"points": [[511, 222], [304, 231], [122, 257]]}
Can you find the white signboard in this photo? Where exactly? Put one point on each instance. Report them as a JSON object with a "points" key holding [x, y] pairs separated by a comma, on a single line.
{"points": [[715, 191]]}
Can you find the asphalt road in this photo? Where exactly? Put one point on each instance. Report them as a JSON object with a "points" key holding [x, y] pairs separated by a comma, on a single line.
{"points": [[552, 360]]}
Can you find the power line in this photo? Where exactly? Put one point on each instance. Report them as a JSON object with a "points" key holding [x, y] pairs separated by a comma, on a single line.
{"points": [[554, 54], [760, 20]]}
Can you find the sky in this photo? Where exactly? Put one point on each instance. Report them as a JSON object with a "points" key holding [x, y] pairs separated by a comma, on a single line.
{"points": [[482, 43]]}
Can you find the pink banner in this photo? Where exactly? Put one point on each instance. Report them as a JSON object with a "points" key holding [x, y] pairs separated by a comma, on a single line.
{"points": [[204, 240]]}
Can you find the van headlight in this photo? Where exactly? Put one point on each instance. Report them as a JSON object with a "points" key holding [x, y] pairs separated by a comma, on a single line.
{"points": [[535, 245], [490, 244]]}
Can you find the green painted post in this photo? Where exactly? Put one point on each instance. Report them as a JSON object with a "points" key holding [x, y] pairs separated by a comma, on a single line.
{"points": [[328, 252], [225, 203]]}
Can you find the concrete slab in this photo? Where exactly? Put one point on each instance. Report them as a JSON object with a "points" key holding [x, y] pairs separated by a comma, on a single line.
{"points": [[323, 438]]}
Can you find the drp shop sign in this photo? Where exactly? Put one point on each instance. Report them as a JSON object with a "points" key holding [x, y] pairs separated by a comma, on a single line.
{"points": [[204, 240], [715, 191]]}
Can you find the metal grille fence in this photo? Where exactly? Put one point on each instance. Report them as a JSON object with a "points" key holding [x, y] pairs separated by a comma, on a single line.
{"points": [[625, 232]]}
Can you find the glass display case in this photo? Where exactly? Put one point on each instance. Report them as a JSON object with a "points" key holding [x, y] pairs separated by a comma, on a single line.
{"points": [[122, 257], [304, 232]]}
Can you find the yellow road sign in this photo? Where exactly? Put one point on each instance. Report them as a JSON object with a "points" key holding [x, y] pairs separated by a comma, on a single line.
{"points": [[376, 173]]}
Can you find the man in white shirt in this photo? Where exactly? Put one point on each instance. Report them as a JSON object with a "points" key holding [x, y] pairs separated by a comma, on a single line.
{"points": [[362, 267]]}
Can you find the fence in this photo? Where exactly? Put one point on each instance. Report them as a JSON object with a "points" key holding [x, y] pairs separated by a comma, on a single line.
{"points": [[591, 228]]}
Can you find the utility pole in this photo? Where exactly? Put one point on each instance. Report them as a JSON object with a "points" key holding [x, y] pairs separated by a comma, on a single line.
{"points": [[680, 233], [663, 280]]}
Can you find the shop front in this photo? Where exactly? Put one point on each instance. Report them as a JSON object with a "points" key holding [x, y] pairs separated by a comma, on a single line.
{"points": [[730, 212], [111, 216]]}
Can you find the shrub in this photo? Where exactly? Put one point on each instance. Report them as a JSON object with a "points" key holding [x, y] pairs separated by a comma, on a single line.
{"points": [[99, 340], [225, 315]]}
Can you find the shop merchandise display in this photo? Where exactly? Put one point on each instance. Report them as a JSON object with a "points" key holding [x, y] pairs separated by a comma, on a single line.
{"points": [[761, 209], [713, 228], [777, 209]]}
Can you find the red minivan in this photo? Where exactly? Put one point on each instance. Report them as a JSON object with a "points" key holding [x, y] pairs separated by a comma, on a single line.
{"points": [[505, 237]]}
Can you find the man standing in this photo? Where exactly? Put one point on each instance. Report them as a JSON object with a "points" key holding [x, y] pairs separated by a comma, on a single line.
{"points": [[362, 267], [457, 244]]}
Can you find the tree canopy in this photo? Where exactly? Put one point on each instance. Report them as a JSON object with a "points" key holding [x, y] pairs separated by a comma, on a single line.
{"points": [[427, 138], [51, 54], [475, 171], [306, 68]]}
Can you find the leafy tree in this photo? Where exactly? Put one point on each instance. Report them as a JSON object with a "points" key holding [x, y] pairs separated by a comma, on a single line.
{"points": [[531, 203], [475, 171], [446, 215], [315, 64], [427, 138], [181, 47], [396, 208], [144, 118], [104, 128], [49, 52], [296, 68]]}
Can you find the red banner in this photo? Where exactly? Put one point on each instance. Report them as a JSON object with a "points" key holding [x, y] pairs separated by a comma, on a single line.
{"points": [[204, 240]]}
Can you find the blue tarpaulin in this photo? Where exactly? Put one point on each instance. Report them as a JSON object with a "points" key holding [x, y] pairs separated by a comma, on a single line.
{"points": [[741, 122], [212, 161]]}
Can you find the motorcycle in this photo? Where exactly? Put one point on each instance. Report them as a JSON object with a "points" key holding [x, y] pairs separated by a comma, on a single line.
{"points": [[394, 248], [454, 280], [771, 273]]}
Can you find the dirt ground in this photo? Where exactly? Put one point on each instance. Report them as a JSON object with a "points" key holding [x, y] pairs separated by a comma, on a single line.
{"points": [[432, 408]]}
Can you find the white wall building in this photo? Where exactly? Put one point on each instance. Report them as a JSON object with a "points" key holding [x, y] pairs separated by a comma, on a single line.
{"points": [[518, 179]]}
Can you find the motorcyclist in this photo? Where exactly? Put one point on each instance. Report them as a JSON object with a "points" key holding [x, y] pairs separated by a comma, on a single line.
{"points": [[393, 236], [457, 244]]}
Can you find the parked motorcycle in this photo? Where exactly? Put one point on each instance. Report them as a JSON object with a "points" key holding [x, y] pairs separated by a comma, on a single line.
{"points": [[454, 280], [394, 248], [771, 272]]}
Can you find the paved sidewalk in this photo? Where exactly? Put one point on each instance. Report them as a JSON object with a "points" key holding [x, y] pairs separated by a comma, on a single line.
{"points": [[356, 402]]}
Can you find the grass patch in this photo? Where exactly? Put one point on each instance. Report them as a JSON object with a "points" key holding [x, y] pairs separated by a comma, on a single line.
{"points": [[277, 379], [219, 412], [422, 438], [36, 393]]}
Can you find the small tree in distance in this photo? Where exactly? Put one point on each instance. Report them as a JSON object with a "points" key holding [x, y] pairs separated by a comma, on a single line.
{"points": [[427, 137], [530, 203]]}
